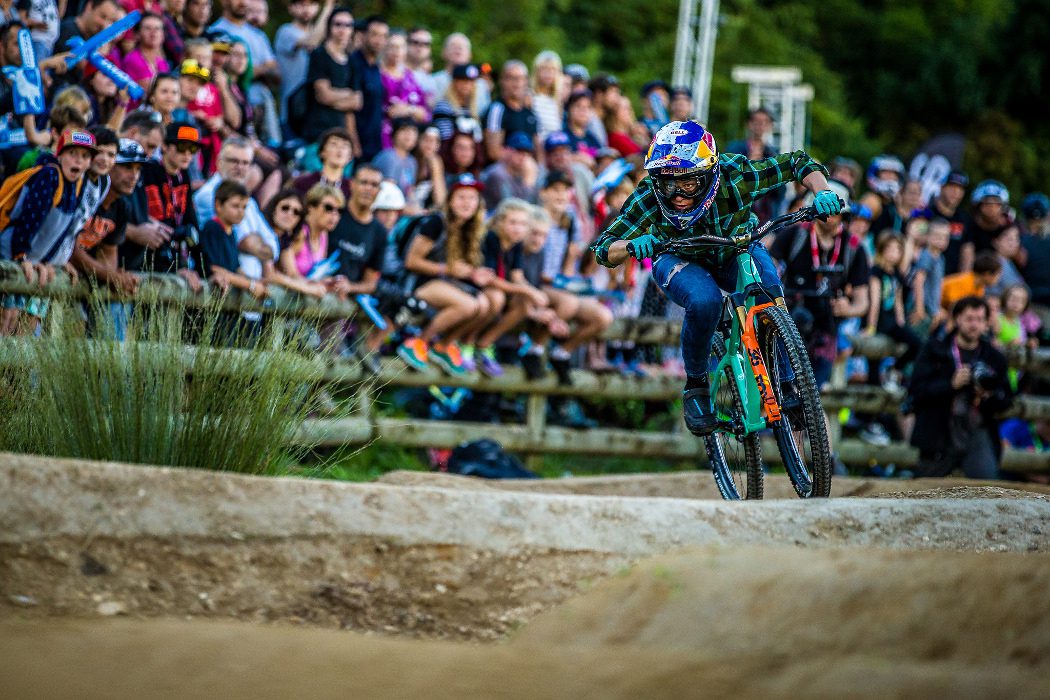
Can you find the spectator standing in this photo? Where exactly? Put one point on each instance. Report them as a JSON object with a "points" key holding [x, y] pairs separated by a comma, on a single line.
{"points": [[93, 18], [402, 96], [515, 174], [607, 96], [958, 389], [365, 62], [896, 214], [420, 63], [457, 110], [620, 124], [510, 114], [40, 17], [985, 273], [1036, 241], [294, 41], [335, 95], [681, 108], [194, 21], [946, 206], [456, 51], [547, 92], [929, 268], [147, 61], [174, 45], [884, 178], [887, 294], [755, 144]]}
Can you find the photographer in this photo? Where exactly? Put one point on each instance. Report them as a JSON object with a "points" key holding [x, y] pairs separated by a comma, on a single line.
{"points": [[825, 274], [958, 388]]}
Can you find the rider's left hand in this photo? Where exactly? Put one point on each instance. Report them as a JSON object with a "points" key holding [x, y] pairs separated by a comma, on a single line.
{"points": [[827, 203]]}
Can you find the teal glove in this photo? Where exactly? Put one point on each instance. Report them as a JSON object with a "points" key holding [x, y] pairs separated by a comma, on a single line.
{"points": [[643, 246], [827, 203]]}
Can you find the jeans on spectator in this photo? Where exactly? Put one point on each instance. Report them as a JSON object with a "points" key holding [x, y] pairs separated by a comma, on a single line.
{"points": [[978, 460], [697, 289]]}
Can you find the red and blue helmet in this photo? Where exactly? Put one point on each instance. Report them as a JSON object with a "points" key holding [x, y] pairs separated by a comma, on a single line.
{"points": [[683, 164]]}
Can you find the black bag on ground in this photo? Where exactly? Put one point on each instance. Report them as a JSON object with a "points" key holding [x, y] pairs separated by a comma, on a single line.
{"points": [[487, 459]]}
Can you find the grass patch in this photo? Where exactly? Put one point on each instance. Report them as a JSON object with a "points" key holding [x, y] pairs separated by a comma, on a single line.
{"points": [[230, 401]]}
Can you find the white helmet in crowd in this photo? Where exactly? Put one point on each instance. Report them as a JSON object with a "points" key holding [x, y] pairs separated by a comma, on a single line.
{"points": [[390, 197], [887, 188]]}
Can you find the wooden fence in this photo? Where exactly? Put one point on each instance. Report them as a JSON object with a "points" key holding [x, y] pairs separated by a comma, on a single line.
{"points": [[535, 438]]}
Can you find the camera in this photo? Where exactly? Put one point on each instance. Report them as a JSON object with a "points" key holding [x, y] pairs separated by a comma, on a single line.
{"points": [[983, 376]]}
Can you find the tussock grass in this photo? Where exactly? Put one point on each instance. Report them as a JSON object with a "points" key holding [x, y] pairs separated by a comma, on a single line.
{"points": [[226, 402]]}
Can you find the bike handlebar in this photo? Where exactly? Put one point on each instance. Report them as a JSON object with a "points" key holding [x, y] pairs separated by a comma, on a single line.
{"points": [[771, 226]]}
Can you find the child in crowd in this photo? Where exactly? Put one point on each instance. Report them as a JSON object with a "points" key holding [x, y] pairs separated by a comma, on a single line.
{"points": [[1014, 327], [986, 272], [38, 208], [928, 275], [397, 162], [887, 293], [216, 256]]}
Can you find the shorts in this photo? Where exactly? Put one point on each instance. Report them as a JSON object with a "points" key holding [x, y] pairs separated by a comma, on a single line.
{"points": [[34, 306]]}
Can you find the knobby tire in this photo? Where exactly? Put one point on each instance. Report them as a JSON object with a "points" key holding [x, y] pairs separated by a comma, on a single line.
{"points": [[735, 462]]}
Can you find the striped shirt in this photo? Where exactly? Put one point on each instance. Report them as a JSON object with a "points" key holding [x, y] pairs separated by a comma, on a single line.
{"points": [[743, 182]]}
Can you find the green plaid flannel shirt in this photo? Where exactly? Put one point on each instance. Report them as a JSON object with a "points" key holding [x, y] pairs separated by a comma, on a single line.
{"points": [[743, 181]]}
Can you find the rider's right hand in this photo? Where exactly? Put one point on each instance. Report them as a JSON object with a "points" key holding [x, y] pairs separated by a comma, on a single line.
{"points": [[643, 247]]}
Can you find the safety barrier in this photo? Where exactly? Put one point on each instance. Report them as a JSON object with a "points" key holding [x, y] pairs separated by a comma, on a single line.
{"points": [[535, 438]]}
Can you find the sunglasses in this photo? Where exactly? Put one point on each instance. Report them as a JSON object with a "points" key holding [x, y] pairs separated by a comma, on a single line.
{"points": [[419, 42], [290, 208], [187, 147], [342, 25], [329, 208]]}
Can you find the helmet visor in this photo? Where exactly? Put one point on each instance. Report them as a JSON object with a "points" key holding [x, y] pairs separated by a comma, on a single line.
{"points": [[691, 185]]}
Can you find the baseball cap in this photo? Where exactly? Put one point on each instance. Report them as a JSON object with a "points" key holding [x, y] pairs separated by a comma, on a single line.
{"points": [[182, 132], [466, 180], [390, 197], [129, 151], [577, 72], [466, 71], [221, 42], [556, 139], [578, 95], [653, 85], [191, 68], [957, 177], [681, 90], [520, 141], [557, 177], [76, 138]]}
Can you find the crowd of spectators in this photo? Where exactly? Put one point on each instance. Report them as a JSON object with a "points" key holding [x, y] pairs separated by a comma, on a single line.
{"points": [[347, 157]]}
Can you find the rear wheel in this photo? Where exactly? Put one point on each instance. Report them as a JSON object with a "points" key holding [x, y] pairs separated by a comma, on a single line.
{"points": [[801, 433], [736, 461]]}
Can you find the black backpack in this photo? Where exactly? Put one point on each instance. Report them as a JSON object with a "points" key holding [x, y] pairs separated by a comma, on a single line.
{"points": [[486, 459]]}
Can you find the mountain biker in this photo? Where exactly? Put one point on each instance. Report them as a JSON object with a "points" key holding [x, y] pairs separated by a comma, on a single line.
{"points": [[693, 190]]}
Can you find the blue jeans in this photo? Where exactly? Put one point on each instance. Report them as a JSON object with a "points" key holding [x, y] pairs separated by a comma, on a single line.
{"points": [[697, 289]]}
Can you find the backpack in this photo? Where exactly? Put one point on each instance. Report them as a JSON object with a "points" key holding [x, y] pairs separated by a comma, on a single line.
{"points": [[298, 109], [12, 188], [486, 459]]}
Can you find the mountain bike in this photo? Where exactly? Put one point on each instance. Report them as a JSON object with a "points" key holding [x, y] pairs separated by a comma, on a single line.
{"points": [[761, 379]]}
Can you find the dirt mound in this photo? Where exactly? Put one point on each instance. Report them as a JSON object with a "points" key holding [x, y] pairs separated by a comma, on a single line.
{"points": [[700, 485], [979, 609], [964, 492]]}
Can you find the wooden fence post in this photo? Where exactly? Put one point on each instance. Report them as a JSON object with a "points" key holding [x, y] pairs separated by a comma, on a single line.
{"points": [[535, 423]]}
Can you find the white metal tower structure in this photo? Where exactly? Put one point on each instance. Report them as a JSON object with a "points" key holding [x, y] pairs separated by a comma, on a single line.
{"points": [[694, 52], [777, 88]]}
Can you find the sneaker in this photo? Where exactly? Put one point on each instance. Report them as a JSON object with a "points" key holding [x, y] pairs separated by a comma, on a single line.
{"points": [[466, 355], [488, 364], [413, 352], [561, 368], [700, 417], [534, 365], [875, 434], [449, 358]]}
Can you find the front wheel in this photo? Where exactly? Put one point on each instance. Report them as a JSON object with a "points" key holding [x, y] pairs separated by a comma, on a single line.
{"points": [[735, 458], [802, 432]]}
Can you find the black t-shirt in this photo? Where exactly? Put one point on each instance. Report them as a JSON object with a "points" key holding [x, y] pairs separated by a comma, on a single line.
{"points": [[433, 227], [532, 266], [341, 75], [370, 116], [501, 261], [500, 117], [850, 263], [106, 227], [982, 237], [167, 199], [217, 248], [360, 246], [1036, 271]]}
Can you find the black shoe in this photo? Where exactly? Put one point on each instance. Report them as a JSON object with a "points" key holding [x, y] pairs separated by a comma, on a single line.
{"points": [[700, 417], [534, 366], [561, 368]]}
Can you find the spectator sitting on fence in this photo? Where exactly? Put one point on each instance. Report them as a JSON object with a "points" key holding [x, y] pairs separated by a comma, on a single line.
{"points": [[958, 390], [502, 250], [945, 205], [305, 251], [926, 313], [886, 311], [986, 273], [216, 256], [284, 215], [445, 257]]}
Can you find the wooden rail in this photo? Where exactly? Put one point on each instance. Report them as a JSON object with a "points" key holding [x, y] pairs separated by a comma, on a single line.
{"points": [[535, 437]]}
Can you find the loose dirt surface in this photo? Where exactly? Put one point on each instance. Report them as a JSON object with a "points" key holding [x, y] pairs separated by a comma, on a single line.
{"points": [[119, 581]]}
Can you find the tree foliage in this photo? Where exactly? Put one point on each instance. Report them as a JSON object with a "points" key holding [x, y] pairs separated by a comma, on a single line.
{"points": [[888, 73]]}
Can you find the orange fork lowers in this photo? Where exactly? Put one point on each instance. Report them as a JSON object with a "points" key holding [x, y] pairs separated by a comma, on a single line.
{"points": [[770, 406]]}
